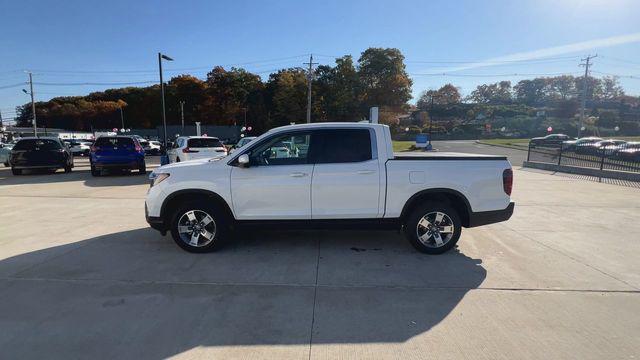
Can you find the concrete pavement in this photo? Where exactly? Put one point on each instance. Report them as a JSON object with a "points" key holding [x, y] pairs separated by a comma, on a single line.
{"points": [[81, 275]]}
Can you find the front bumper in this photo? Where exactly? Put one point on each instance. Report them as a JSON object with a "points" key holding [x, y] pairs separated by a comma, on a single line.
{"points": [[155, 222], [491, 217]]}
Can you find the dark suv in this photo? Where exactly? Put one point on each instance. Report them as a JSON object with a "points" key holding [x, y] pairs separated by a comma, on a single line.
{"points": [[40, 153]]}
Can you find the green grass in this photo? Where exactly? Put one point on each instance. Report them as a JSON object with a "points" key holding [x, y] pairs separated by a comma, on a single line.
{"points": [[402, 145]]}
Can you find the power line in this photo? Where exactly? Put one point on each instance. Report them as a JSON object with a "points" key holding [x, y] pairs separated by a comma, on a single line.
{"points": [[494, 75], [617, 75], [96, 83], [12, 85]]}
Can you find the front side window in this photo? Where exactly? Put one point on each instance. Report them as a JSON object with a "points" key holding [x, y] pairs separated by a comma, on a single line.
{"points": [[285, 149]]}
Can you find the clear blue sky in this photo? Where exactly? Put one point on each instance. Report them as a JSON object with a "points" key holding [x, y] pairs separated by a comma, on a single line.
{"points": [[99, 41]]}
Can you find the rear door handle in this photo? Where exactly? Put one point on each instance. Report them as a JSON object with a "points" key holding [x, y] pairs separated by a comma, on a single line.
{"points": [[366, 172], [298, 174]]}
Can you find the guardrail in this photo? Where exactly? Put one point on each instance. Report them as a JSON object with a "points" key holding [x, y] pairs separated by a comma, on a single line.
{"points": [[622, 158]]}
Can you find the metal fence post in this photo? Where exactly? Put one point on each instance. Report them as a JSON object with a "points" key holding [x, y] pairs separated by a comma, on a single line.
{"points": [[601, 165], [528, 151], [560, 155]]}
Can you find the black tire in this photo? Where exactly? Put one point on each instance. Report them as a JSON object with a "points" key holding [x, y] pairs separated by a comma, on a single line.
{"points": [[6, 164], [142, 169], [220, 224], [15, 171], [431, 210]]}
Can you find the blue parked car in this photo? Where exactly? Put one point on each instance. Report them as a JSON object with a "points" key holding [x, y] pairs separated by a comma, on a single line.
{"points": [[117, 152]]}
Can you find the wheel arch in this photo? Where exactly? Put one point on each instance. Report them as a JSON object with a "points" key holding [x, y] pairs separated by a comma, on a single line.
{"points": [[453, 197], [175, 198]]}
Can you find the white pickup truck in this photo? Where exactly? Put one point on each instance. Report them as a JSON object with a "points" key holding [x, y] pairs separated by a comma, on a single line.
{"points": [[332, 174]]}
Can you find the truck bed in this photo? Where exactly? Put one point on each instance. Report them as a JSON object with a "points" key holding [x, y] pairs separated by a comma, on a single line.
{"points": [[434, 155]]}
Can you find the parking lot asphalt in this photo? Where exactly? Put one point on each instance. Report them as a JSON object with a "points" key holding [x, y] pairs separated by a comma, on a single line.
{"points": [[82, 276]]}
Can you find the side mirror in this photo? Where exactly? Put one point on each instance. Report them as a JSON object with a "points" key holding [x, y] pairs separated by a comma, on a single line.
{"points": [[243, 160]]}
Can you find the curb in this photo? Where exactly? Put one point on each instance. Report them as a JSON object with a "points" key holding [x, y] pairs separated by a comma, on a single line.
{"points": [[610, 174], [502, 146]]}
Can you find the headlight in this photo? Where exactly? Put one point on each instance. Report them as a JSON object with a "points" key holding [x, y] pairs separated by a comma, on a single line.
{"points": [[157, 178]]}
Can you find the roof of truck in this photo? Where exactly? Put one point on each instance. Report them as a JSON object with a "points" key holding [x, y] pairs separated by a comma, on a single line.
{"points": [[326, 125]]}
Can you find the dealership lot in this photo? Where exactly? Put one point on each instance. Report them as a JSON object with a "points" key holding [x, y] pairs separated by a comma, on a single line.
{"points": [[80, 272]]}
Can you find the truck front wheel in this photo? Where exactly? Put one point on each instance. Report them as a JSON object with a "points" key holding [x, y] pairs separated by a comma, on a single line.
{"points": [[198, 227], [433, 228]]}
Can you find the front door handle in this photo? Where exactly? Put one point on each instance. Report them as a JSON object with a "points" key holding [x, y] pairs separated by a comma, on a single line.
{"points": [[298, 174], [366, 172]]}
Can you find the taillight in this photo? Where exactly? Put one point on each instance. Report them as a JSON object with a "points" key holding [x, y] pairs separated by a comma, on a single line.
{"points": [[138, 148], [187, 150], [507, 181], [95, 148]]}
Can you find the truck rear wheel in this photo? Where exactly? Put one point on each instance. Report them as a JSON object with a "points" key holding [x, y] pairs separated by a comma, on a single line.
{"points": [[198, 227], [433, 228]]}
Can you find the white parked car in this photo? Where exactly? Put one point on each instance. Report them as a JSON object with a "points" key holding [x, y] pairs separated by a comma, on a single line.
{"points": [[79, 147], [151, 147], [195, 147], [347, 174]]}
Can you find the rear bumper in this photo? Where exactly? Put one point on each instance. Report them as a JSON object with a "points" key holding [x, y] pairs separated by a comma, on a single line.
{"points": [[491, 217], [127, 165], [40, 165]]}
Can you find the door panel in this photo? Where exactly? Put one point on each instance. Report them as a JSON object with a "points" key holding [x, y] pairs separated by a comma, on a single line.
{"points": [[346, 190], [272, 192], [277, 185]]}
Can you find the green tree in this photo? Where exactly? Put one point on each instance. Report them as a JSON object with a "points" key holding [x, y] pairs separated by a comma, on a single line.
{"points": [[497, 93], [383, 79]]}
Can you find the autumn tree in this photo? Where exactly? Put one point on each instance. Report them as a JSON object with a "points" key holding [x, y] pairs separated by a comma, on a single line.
{"points": [[383, 79]]}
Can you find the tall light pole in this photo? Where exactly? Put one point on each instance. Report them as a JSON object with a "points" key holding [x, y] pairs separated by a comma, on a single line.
{"points": [[164, 117], [33, 103], [121, 118], [182, 116]]}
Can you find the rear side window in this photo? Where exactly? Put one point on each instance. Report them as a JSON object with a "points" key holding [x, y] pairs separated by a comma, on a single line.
{"points": [[37, 144], [343, 146], [203, 143], [114, 142]]}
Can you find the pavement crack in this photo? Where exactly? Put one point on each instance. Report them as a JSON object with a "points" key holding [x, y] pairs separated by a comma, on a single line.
{"points": [[315, 295]]}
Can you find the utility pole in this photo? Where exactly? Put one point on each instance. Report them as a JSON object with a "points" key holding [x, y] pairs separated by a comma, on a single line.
{"points": [[586, 64], [309, 80], [182, 115], [33, 105]]}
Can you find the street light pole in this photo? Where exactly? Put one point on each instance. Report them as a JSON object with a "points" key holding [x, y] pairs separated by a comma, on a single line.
{"points": [[122, 118], [164, 117], [182, 116]]}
